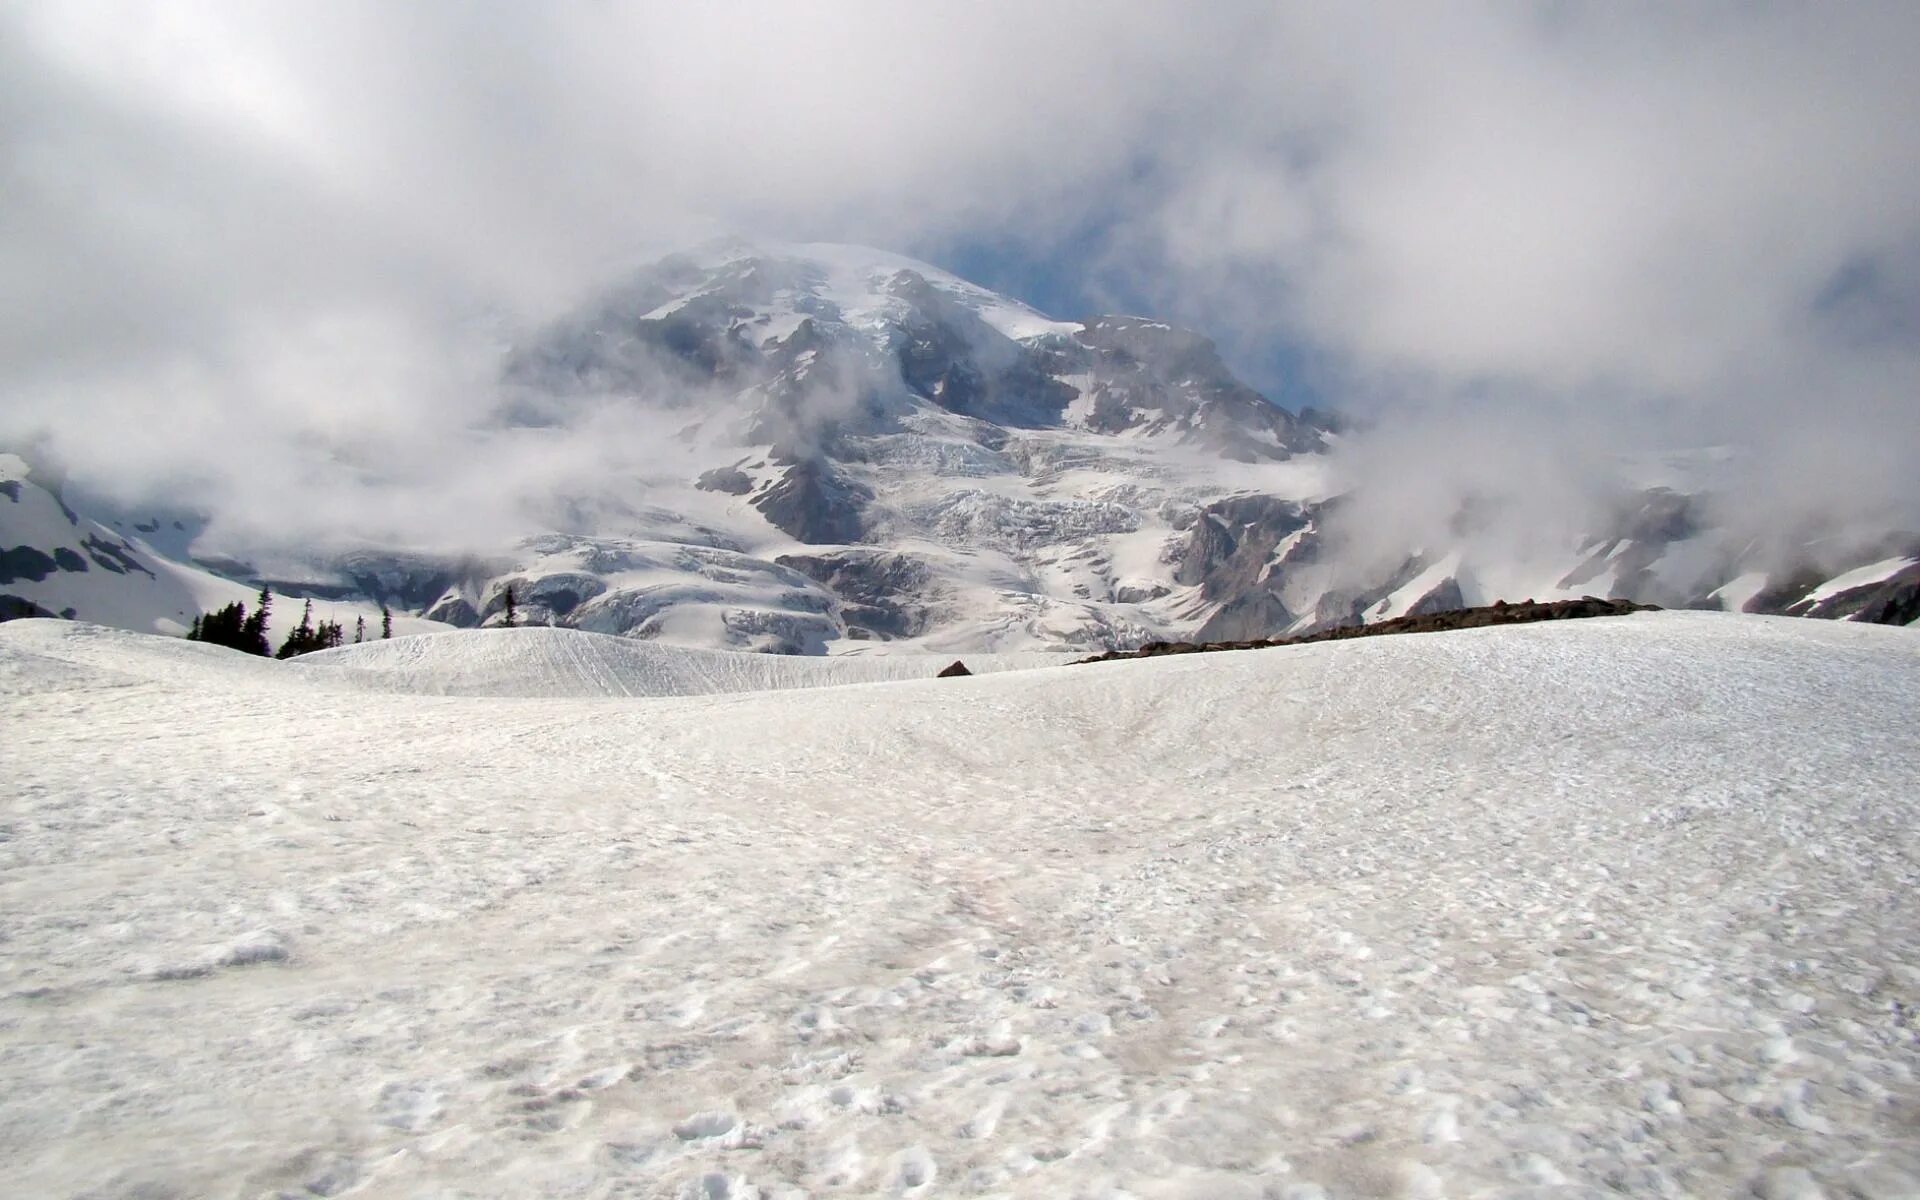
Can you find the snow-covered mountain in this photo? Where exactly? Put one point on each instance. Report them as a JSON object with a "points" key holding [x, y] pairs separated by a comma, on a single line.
{"points": [[862, 452], [54, 562]]}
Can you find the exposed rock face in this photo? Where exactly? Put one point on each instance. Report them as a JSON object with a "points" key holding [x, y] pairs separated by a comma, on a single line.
{"points": [[1258, 613], [882, 594], [405, 581], [965, 472], [540, 599], [1153, 377], [1445, 597], [1640, 534], [1233, 556], [453, 609], [953, 670], [13, 608], [730, 480], [953, 358], [815, 504], [1894, 600], [1230, 547], [25, 562]]}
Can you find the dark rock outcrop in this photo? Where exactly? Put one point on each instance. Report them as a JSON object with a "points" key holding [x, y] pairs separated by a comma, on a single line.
{"points": [[1894, 600], [953, 670], [947, 354], [455, 610], [1153, 376], [1229, 554], [25, 562], [1639, 533], [16, 608], [1232, 541], [1445, 597], [882, 593], [814, 504], [118, 559], [728, 480]]}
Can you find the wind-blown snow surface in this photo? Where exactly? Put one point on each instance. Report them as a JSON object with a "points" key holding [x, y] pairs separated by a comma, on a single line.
{"points": [[1587, 908], [542, 661]]}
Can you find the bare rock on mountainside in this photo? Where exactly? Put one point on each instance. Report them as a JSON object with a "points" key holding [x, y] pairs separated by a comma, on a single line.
{"points": [[953, 670], [855, 447], [815, 504], [13, 608], [882, 594]]}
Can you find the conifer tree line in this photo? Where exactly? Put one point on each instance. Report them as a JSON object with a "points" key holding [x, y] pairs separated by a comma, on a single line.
{"points": [[237, 629]]}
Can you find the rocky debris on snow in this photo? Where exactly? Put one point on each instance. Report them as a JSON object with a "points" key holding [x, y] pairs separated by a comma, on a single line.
{"points": [[1498, 613], [730, 480]]}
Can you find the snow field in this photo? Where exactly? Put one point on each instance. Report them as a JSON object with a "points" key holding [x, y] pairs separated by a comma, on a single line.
{"points": [[543, 662], [1587, 908]]}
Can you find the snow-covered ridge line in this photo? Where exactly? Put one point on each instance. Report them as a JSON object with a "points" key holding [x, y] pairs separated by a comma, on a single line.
{"points": [[546, 662], [523, 663], [870, 453]]}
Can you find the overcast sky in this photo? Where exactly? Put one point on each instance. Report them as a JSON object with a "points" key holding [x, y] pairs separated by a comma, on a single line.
{"points": [[1645, 223]]}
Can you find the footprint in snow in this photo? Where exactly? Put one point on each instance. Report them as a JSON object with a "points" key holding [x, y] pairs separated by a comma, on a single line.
{"points": [[704, 1125], [409, 1107], [914, 1169]]}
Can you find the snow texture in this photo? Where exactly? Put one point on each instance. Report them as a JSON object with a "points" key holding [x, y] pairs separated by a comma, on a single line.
{"points": [[1618, 907], [565, 662]]}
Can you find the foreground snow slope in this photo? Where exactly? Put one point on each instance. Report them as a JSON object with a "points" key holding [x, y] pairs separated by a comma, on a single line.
{"points": [[1590, 908]]}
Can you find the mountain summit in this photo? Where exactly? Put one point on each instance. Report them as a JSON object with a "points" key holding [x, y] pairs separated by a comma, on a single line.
{"points": [[856, 450]]}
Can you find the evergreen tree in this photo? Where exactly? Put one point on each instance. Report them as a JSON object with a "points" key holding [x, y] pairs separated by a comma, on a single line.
{"points": [[359, 630], [232, 627], [302, 639], [510, 607], [223, 627], [253, 630], [386, 621]]}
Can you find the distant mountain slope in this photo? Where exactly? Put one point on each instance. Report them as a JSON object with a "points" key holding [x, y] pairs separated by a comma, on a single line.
{"points": [[849, 450], [56, 562]]}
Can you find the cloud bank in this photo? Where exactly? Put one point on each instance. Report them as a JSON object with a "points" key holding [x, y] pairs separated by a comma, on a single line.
{"points": [[303, 229]]}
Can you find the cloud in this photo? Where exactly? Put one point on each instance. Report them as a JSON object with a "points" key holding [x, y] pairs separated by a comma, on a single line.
{"points": [[306, 227]]}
